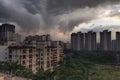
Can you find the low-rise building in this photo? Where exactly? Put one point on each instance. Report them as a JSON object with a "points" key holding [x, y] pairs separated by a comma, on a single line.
{"points": [[36, 53], [49, 58], [24, 55]]}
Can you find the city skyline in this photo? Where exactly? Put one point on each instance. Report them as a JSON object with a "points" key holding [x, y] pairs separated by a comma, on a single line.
{"points": [[95, 41], [59, 39], [60, 17]]}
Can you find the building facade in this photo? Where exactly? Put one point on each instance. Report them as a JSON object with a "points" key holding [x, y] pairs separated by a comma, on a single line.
{"points": [[3, 53], [90, 41], [18, 38], [7, 32], [37, 52], [80, 41], [84, 41], [117, 41], [49, 58], [105, 40], [74, 41], [113, 45], [24, 55]]}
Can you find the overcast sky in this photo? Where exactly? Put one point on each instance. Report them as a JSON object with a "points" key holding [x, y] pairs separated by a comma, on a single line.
{"points": [[60, 17]]}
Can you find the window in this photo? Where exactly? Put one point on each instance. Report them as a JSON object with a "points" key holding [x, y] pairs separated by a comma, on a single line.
{"points": [[30, 56], [24, 51], [23, 62], [48, 50], [30, 50], [41, 58], [24, 56], [41, 54], [42, 63], [48, 64], [10, 51], [30, 66], [10, 56], [30, 61]]}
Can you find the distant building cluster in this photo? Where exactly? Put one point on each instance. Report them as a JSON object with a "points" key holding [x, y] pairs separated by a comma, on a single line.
{"points": [[88, 41], [34, 52]]}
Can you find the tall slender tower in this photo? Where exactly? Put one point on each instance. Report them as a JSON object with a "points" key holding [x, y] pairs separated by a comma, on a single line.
{"points": [[105, 40], [90, 41], [118, 41], [7, 32], [80, 41], [74, 41]]}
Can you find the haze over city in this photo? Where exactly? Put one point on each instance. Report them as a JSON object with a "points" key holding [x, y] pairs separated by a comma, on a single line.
{"points": [[60, 17]]}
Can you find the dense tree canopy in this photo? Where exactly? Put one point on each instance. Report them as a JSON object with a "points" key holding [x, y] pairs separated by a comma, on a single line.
{"points": [[76, 65]]}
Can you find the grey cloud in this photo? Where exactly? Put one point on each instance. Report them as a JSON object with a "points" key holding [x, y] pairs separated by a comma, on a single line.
{"points": [[19, 14], [67, 21], [61, 5], [114, 13]]}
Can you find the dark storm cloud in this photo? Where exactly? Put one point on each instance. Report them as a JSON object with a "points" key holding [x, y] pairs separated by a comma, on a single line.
{"points": [[3, 13], [32, 15], [17, 13], [60, 5]]}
